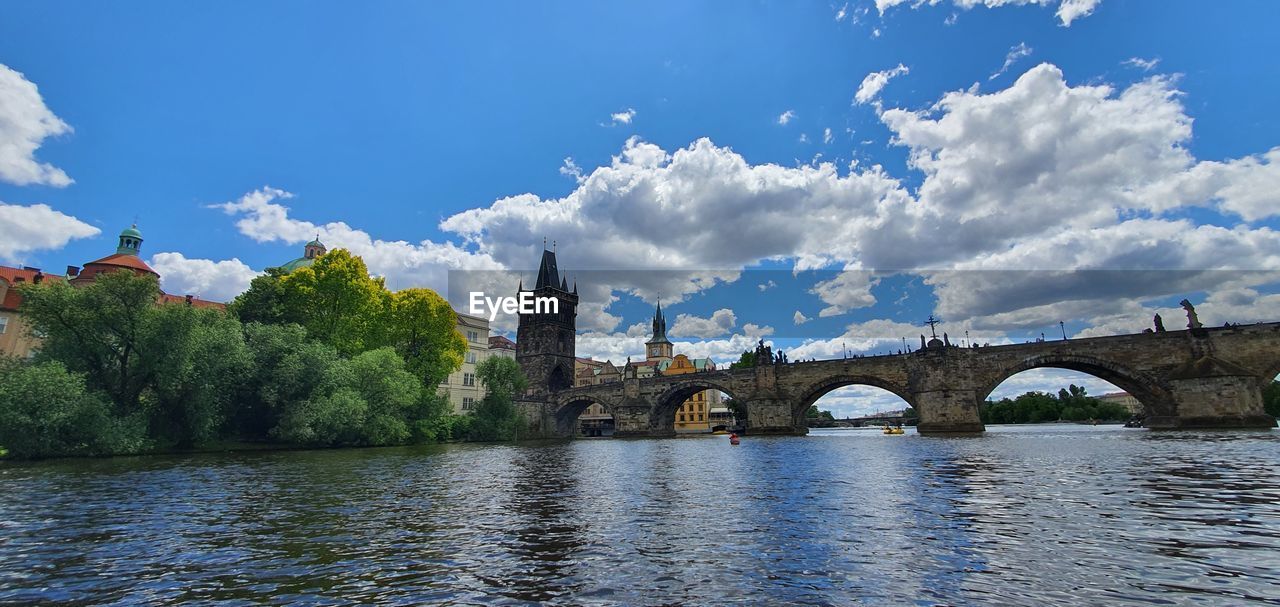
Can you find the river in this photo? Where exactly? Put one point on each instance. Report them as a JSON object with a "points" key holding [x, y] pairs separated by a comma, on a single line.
{"points": [[1032, 515]]}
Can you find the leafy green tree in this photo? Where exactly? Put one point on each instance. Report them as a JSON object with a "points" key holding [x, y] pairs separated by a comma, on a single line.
{"points": [[365, 400], [748, 359], [1271, 399], [496, 418], [423, 329], [263, 302], [814, 413], [46, 411], [98, 330], [338, 303], [195, 384]]}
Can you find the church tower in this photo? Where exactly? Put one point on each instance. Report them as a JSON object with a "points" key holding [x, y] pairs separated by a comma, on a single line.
{"points": [[658, 348], [545, 341]]}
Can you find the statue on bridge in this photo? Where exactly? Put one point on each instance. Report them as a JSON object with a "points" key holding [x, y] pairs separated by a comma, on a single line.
{"points": [[764, 354], [1159, 323], [1193, 321]]}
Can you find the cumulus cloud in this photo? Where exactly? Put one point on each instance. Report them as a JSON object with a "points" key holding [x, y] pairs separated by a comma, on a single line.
{"points": [[205, 278], [719, 323], [849, 290], [786, 117], [25, 122], [799, 318], [1015, 53], [262, 217], [827, 137], [1068, 10], [1016, 187], [24, 229], [765, 286], [874, 82]]}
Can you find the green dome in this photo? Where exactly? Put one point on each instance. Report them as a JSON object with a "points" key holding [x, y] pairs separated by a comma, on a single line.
{"points": [[301, 262], [132, 232], [315, 243]]}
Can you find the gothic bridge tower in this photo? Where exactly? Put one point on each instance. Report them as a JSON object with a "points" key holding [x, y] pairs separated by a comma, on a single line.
{"points": [[545, 340]]}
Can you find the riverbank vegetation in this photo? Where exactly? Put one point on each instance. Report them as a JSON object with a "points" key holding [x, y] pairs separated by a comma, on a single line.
{"points": [[324, 356], [1069, 404]]}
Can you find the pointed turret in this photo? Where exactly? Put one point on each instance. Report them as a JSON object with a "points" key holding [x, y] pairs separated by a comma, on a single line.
{"points": [[659, 347], [548, 272]]}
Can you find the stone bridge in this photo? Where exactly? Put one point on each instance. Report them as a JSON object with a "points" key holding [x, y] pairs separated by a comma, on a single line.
{"points": [[1196, 378]]}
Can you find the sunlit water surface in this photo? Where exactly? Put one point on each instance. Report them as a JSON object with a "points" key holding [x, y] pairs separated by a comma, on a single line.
{"points": [[1023, 515]]}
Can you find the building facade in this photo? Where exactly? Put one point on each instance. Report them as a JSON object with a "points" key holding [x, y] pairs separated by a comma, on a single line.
{"points": [[1125, 399], [462, 386]]}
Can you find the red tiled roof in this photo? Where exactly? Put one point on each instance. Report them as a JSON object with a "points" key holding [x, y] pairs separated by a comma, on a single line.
{"points": [[16, 276], [498, 341], [195, 302], [119, 260]]}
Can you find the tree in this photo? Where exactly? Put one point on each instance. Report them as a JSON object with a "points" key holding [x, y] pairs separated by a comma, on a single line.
{"points": [[748, 359], [195, 384], [338, 303], [1271, 399], [365, 400], [46, 411], [97, 330], [424, 330], [263, 302], [496, 418]]}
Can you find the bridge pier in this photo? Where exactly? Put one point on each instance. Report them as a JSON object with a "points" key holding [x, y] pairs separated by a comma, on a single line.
{"points": [[948, 412], [1210, 393], [774, 416]]}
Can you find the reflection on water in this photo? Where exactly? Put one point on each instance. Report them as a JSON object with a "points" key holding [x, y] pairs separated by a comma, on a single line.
{"points": [[1022, 515]]}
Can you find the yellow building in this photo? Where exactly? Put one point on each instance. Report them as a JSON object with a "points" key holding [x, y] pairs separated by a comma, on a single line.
{"points": [[15, 335], [695, 414]]}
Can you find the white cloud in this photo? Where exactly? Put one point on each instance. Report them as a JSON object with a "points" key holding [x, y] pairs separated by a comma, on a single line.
{"points": [[1068, 10], [1145, 65], [1015, 53], [24, 229], [25, 122], [843, 12], [720, 323], [623, 117], [571, 169], [404, 264], [849, 290], [766, 285], [204, 278], [874, 82], [786, 117], [799, 318], [827, 137]]}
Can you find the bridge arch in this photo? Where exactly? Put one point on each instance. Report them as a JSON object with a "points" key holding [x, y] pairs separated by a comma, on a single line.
{"points": [[1150, 393], [568, 410], [670, 399], [821, 388]]}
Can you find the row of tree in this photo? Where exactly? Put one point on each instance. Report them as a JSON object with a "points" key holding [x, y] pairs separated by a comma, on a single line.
{"points": [[322, 356], [1069, 404]]}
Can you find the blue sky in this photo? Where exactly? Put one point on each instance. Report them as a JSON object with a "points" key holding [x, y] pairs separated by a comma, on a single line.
{"points": [[438, 136]]}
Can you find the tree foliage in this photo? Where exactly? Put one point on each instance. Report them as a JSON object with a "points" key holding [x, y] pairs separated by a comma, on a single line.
{"points": [[496, 417], [119, 372], [1070, 404], [1271, 399], [423, 329], [338, 303]]}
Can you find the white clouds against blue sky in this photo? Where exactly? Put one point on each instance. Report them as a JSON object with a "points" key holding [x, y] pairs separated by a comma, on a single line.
{"points": [[877, 178]]}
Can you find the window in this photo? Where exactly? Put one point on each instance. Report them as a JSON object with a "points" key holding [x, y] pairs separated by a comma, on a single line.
{"points": [[468, 403], [473, 336], [468, 379], [471, 356], [4, 324]]}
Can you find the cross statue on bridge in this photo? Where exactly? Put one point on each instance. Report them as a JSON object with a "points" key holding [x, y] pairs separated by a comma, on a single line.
{"points": [[933, 323]]}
